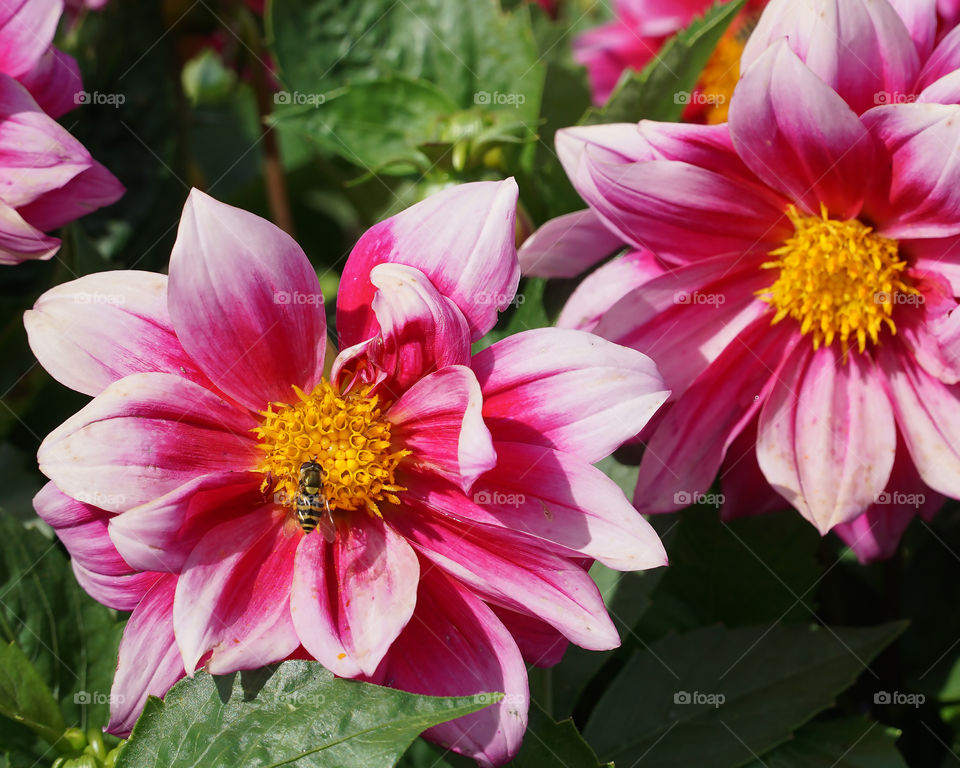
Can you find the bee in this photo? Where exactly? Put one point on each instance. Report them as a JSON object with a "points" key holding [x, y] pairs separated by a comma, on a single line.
{"points": [[313, 509]]}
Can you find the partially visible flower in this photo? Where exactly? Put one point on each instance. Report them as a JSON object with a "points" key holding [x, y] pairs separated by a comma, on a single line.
{"points": [[635, 37], [458, 502], [794, 273]]}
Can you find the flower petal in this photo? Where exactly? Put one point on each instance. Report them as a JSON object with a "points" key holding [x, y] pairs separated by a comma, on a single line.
{"points": [[161, 534], [455, 645], [567, 390], [122, 593], [233, 596], [567, 245], [514, 571], [352, 598], [928, 416], [682, 457], [554, 497], [859, 48], [245, 303], [27, 28], [86, 192], [605, 286], [826, 439], [817, 152], [54, 82], [148, 635], [540, 644], [439, 419], [19, 241], [142, 437], [92, 331], [462, 239]]}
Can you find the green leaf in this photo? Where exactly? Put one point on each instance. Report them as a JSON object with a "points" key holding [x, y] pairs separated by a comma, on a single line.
{"points": [[465, 49], [299, 715], [720, 697], [749, 571], [70, 639], [846, 743], [548, 743], [653, 93], [377, 125], [25, 698]]}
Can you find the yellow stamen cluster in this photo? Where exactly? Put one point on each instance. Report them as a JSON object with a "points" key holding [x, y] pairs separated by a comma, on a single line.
{"points": [[345, 433], [837, 279]]}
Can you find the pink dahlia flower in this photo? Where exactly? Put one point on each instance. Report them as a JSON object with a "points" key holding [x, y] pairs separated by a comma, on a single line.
{"points": [[457, 502], [47, 178], [27, 28], [641, 27], [794, 274]]}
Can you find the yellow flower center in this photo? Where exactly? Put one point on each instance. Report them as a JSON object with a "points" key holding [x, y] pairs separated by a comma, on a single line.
{"points": [[345, 434], [837, 279]]}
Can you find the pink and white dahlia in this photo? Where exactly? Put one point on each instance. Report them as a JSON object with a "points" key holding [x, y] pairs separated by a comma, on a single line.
{"points": [[458, 495], [794, 274]]}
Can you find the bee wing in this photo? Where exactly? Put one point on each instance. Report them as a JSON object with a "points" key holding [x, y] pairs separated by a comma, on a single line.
{"points": [[327, 527]]}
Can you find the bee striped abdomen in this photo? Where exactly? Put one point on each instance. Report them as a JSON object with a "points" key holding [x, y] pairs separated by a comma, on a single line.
{"points": [[309, 509]]}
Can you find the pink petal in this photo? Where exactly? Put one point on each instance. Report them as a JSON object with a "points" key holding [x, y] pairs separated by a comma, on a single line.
{"points": [[514, 571], [932, 335], [605, 286], [455, 646], [606, 51], [568, 390], [27, 28], [83, 530], [860, 48], [540, 644], [715, 409], [554, 497], [352, 598], [924, 196], [143, 436], [920, 18], [567, 245], [147, 636], [245, 303], [462, 239], [21, 242], [876, 534], [826, 439], [161, 534], [817, 152], [89, 190], [92, 331], [122, 593], [928, 416], [233, 596], [439, 419], [746, 492], [422, 330], [940, 256], [54, 82], [686, 317], [944, 60]]}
